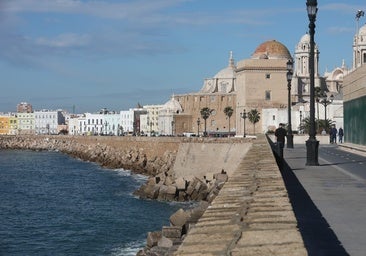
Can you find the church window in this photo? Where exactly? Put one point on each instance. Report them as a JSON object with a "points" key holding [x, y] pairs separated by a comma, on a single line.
{"points": [[268, 76], [268, 95], [273, 117], [364, 58], [213, 112], [213, 123]]}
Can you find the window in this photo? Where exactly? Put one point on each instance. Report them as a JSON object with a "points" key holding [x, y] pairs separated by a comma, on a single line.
{"points": [[213, 98], [273, 117], [268, 95], [268, 76]]}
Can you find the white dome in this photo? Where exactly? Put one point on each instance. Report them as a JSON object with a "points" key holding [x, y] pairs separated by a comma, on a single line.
{"points": [[362, 31], [305, 39], [228, 72], [172, 106]]}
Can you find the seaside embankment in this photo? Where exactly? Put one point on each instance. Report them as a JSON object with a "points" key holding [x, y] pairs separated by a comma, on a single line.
{"points": [[250, 215]]}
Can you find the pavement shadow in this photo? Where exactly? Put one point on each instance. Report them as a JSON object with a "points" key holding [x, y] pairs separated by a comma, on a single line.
{"points": [[318, 237]]}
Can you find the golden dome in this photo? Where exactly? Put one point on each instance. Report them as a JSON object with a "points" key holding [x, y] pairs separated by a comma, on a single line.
{"points": [[271, 50]]}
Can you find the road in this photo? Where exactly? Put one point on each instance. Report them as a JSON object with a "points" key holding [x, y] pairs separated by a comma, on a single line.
{"points": [[350, 163], [329, 200]]}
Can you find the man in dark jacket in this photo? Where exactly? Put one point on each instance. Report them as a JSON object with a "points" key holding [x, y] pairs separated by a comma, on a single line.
{"points": [[280, 134]]}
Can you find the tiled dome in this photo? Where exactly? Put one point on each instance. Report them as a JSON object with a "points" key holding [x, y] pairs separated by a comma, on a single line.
{"points": [[271, 50]]}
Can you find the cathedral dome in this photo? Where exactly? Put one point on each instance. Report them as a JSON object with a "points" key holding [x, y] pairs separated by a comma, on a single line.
{"points": [[305, 39], [271, 50], [362, 31], [172, 106], [228, 72]]}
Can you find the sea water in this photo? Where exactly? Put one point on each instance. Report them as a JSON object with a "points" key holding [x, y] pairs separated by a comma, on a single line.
{"points": [[52, 204]]}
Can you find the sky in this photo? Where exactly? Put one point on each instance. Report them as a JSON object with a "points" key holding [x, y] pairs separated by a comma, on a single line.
{"points": [[84, 55]]}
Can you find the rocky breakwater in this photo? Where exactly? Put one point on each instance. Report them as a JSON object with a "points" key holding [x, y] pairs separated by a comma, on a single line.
{"points": [[111, 152]]}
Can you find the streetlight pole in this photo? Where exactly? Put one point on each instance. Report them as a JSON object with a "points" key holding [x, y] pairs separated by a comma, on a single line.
{"points": [[290, 136], [244, 116], [173, 128], [312, 145], [300, 128], [198, 127]]}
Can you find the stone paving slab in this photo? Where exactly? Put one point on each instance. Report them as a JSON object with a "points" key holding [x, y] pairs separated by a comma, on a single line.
{"points": [[251, 215]]}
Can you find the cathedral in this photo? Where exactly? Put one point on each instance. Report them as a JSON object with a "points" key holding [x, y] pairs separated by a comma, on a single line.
{"points": [[257, 83]]}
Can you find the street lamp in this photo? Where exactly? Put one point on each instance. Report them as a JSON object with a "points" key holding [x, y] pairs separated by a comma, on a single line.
{"points": [[300, 128], [172, 128], [244, 116], [312, 145], [326, 102], [290, 136], [198, 126]]}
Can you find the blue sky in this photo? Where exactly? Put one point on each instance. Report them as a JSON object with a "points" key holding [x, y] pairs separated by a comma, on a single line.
{"points": [[117, 53]]}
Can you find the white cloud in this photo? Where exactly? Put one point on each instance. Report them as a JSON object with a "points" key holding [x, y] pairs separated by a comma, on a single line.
{"points": [[104, 9], [64, 41]]}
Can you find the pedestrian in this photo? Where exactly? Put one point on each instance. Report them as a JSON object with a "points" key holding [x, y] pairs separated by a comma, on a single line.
{"points": [[334, 135], [280, 134], [340, 135]]}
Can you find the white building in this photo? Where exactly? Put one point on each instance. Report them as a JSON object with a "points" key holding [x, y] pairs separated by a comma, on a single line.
{"points": [[112, 124], [150, 121], [47, 121], [166, 116], [127, 121], [94, 123]]}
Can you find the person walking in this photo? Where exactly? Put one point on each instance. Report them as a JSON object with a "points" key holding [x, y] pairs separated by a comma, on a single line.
{"points": [[280, 134], [334, 135], [340, 135]]}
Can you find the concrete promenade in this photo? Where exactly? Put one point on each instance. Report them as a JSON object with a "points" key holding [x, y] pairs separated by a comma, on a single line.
{"points": [[329, 203], [252, 214]]}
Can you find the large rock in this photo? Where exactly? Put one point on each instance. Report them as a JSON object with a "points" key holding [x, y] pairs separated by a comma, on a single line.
{"points": [[179, 218], [153, 238]]}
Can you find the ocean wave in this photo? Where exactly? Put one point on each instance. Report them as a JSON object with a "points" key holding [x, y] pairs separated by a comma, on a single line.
{"points": [[129, 249]]}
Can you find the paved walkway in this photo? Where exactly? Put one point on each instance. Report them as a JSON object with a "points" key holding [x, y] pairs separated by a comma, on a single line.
{"points": [[329, 204]]}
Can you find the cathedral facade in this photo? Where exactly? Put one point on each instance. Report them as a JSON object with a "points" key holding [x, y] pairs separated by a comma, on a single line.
{"points": [[257, 83]]}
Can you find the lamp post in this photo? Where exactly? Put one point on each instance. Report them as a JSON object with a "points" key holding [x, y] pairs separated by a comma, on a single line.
{"points": [[290, 136], [173, 128], [244, 116], [198, 126], [300, 128], [326, 102], [312, 145]]}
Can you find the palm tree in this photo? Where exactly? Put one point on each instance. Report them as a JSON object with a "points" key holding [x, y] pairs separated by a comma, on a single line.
{"points": [[205, 114], [229, 112], [254, 117]]}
